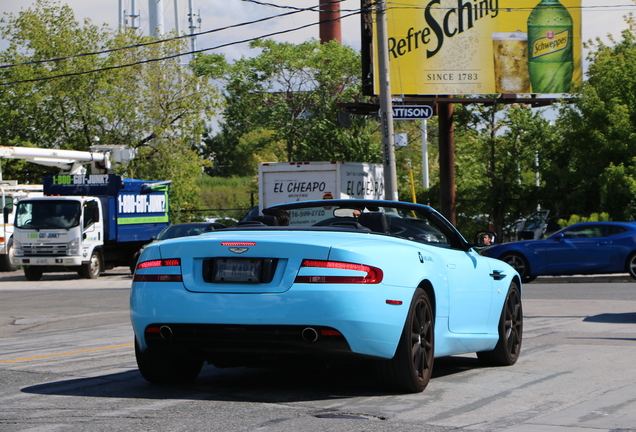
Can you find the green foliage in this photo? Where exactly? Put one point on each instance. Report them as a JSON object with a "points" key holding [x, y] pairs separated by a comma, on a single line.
{"points": [[496, 150], [594, 217], [155, 107], [617, 191], [228, 197], [591, 167], [281, 105]]}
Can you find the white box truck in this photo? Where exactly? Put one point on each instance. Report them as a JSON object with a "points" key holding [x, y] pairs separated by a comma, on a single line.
{"points": [[283, 182]]}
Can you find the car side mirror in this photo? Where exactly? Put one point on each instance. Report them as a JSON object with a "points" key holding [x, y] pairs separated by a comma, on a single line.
{"points": [[5, 213], [559, 237], [485, 238]]}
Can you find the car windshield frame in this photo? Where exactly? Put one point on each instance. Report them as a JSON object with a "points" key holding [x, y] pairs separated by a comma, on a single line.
{"points": [[415, 222], [204, 227]]}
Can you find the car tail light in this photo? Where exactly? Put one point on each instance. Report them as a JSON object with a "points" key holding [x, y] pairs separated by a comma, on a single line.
{"points": [[373, 275], [172, 262]]}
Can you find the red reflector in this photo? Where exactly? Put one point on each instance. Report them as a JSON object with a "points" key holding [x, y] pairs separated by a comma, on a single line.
{"points": [[330, 333], [160, 263], [237, 243], [394, 302], [373, 275], [152, 330]]}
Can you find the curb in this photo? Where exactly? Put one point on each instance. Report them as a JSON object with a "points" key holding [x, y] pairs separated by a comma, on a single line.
{"points": [[612, 278]]}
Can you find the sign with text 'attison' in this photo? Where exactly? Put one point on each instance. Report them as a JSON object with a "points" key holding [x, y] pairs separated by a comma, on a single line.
{"points": [[483, 46]]}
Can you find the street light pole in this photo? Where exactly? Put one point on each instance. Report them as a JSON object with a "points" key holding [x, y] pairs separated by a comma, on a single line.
{"points": [[386, 105]]}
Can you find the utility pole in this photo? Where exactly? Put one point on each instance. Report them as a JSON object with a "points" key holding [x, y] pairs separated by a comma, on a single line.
{"points": [[155, 18], [386, 105], [133, 15], [194, 25]]}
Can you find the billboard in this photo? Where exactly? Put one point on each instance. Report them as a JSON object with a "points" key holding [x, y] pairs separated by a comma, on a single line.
{"points": [[483, 46]]}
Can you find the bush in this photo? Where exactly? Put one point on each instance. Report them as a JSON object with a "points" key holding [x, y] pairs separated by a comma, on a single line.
{"points": [[594, 217]]}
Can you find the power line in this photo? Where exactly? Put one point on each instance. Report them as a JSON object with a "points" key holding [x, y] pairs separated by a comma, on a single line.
{"points": [[171, 56], [141, 45]]}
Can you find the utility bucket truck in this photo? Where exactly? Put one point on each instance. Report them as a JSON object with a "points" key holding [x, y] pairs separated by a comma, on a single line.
{"points": [[85, 222]]}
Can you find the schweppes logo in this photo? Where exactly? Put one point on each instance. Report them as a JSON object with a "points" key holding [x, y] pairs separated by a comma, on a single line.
{"points": [[550, 43]]}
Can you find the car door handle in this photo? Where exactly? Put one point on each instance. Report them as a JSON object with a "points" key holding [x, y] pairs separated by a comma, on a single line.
{"points": [[497, 275]]}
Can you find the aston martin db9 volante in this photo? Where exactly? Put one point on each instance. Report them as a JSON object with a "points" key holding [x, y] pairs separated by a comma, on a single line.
{"points": [[390, 284]]}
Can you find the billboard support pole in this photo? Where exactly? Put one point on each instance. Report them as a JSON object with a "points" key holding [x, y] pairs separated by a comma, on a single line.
{"points": [[447, 161], [386, 106]]}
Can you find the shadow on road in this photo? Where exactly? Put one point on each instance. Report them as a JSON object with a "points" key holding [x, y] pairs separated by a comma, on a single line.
{"points": [[613, 318], [243, 384]]}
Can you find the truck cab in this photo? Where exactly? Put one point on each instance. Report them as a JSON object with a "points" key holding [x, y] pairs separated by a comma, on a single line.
{"points": [[64, 231]]}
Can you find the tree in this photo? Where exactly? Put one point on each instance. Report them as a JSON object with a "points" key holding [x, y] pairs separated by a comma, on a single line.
{"points": [[157, 107], [496, 152], [292, 91], [591, 169]]}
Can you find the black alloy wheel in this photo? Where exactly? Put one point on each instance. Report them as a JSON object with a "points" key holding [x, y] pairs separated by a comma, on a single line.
{"points": [[411, 368], [510, 329]]}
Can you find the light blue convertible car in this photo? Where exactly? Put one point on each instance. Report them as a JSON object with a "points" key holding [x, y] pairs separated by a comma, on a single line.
{"points": [[389, 283]]}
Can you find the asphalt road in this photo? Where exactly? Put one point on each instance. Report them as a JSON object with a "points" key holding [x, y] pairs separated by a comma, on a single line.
{"points": [[67, 363]]}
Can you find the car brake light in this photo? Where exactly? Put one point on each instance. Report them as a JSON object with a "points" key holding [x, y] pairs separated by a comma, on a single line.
{"points": [[238, 243], [159, 263], [373, 275], [172, 262]]}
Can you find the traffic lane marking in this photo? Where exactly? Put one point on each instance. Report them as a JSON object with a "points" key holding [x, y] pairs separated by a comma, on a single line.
{"points": [[66, 353]]}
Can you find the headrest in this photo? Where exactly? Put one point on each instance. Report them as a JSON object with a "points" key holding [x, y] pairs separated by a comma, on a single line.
{"points": [[267, 220], [375, 221]]}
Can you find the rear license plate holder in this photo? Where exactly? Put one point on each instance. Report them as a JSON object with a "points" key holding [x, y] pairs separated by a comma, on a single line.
{"points": [[237, 270]]}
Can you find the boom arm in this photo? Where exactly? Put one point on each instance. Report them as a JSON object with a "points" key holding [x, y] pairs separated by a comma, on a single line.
{"points": [[69, 161]]}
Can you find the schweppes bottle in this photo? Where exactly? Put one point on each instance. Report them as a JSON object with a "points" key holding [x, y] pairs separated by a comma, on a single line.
{"points": [[550, 48]]}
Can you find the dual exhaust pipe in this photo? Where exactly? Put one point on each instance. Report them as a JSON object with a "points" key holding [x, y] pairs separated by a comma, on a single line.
{"points": [[309, 334]]}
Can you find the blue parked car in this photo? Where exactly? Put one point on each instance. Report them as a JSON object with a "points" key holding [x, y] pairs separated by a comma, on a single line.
{"points": [[581, 249], [389, 283]]}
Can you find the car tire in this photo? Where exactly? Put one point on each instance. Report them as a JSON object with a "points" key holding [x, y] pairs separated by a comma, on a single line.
{"points": [[93, 268], [411, 367], [6, 262], [164, 367], [510, 330], [631, 265], [33, 273], [519, 263]]}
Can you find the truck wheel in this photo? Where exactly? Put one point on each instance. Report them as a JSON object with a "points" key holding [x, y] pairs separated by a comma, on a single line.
{"points": [[93, 269], [6, 263], [33, 273]]}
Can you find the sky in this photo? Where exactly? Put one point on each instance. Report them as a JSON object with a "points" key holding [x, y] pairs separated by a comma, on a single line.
{"points": [[600, 17]]}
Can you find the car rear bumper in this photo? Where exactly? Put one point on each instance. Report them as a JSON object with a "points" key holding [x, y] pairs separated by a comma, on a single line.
{"points": [[253, 345], [217, 322]]}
